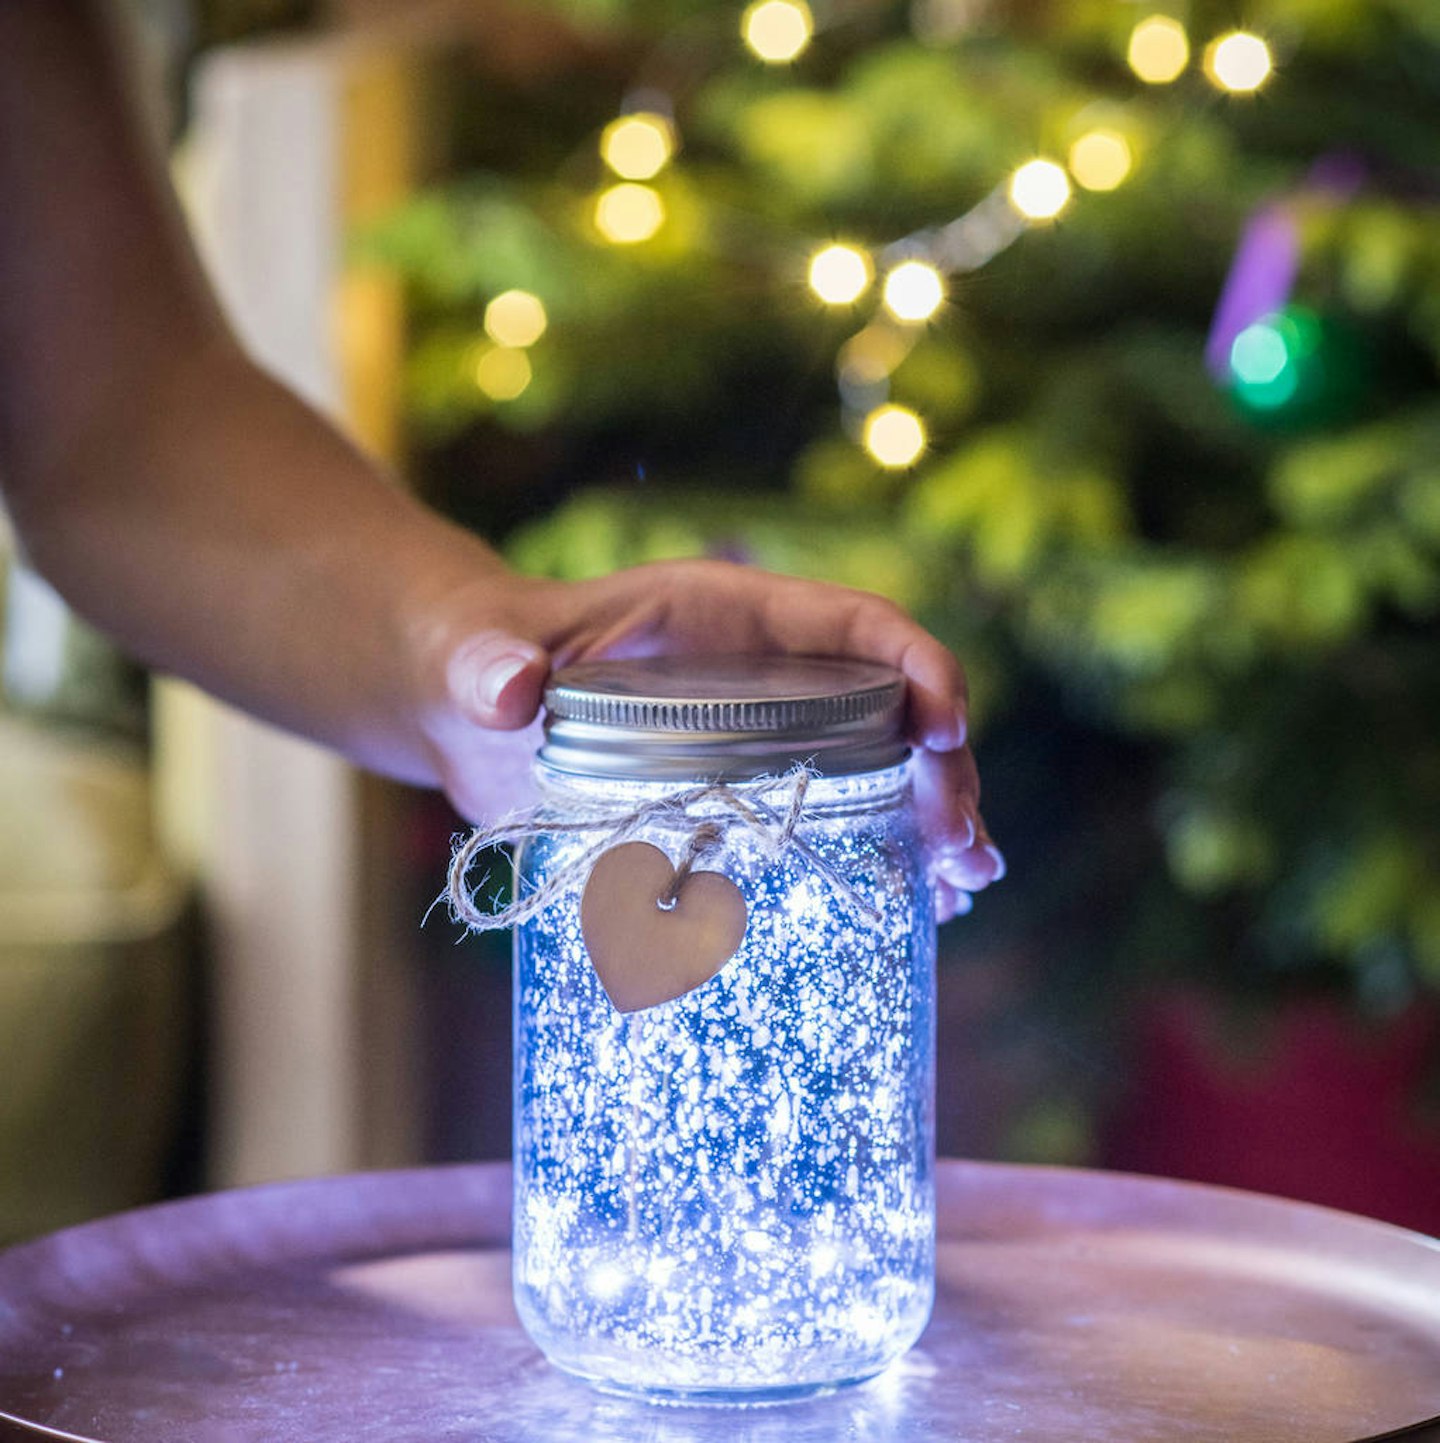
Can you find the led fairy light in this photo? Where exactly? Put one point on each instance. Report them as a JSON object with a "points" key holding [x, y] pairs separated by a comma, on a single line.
{"points": [[914, 291], [1039, 190], [1100, 159], [628, 213], [1238, 62], [503, 373], [1159, 50], [840, 274], [515, 318], [777, 30], [894, 436], [638, 146]]}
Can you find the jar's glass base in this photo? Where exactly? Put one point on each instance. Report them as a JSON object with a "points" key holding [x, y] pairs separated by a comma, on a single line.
{"points": [[725, 1397], [761, 1366]]}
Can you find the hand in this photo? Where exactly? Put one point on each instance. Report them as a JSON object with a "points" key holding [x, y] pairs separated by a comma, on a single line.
{"points": [[484, 662]]}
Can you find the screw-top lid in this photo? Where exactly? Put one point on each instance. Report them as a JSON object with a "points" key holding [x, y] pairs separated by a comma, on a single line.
{"points": [[723, 717]]}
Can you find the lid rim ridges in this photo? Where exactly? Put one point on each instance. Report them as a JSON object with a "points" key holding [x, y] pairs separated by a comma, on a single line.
{"points": [[763, 714]]}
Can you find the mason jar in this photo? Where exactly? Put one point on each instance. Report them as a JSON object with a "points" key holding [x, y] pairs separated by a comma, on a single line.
{"points": [[725, 1194]]}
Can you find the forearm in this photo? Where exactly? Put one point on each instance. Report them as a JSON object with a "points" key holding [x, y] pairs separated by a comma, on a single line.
{"points": [[175, 495], [219, 529], [98, 283]]}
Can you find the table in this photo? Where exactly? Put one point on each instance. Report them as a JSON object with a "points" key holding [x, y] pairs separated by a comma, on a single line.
{"points": [[1071, 1306]]}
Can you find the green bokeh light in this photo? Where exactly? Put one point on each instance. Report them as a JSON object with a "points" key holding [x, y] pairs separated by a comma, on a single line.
{"points": [[1259, 355], [1270, 359]]}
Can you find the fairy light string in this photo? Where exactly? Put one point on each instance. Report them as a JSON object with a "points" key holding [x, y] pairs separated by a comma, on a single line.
{"points": [[907, 282]]}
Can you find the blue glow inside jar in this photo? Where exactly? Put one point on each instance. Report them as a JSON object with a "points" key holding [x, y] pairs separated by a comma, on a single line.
{"points": [[727, 1195]]}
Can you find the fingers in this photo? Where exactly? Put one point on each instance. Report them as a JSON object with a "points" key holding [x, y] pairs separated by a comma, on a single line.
{"points": [[811, 617], [805, 616], [947, 795], [490, 773], [495, 680], [950, 901]]}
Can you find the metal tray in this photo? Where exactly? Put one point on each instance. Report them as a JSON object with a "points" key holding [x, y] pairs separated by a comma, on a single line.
{"points": [[1072, 1307]]}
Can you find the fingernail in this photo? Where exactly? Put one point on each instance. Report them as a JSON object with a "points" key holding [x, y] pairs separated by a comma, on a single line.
{"points": [[497, 676], [964, 904], [998, 857], [947, 737], [955, 870]]}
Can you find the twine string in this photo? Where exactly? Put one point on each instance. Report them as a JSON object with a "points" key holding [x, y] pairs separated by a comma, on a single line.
{"points": [[775, 828], [703, 840]]}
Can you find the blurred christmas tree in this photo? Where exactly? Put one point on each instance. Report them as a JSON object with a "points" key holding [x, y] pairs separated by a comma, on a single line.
{"points": [[1105, 341]]}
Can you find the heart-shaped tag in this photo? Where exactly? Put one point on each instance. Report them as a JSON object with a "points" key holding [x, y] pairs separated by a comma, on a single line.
{"points": [[643, 952]]}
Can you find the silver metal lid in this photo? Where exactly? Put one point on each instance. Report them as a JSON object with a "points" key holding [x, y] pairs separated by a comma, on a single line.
{"points": [[723, 717]]}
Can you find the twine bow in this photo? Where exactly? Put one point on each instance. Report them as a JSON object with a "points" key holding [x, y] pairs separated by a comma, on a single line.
{"points": [[774, 826]]}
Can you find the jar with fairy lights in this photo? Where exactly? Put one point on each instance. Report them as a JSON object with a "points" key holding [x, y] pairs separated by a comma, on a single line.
{"points": [[724, 1030]]}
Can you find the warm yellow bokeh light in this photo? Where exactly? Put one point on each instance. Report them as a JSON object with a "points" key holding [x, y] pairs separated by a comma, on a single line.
{"points": [[1100, 159], [515, 318], [839, 274], [872, 354], [777, 30], [894, 436], [1159, 50], [637, 146], [914, 291], [1039, 190], [1238, 62], [502, 373], [628, 213]]}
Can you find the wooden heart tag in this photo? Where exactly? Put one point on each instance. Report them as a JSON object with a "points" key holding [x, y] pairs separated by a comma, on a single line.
{"points": [[644, 951]]}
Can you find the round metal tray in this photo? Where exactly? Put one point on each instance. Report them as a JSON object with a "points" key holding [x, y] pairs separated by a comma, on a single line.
{"points": [[1071, 1306]]}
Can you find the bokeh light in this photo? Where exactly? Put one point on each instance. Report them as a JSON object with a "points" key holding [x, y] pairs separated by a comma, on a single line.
{"points": [[1159, 50], [515, 318], [894, 436], [628, 213], [502, 373], [840, 274], [1039, 190], [638, 146], [1258, 354], [777, 30], [914, 291], [1273, 359], [1238, 62], [1100, 159]]}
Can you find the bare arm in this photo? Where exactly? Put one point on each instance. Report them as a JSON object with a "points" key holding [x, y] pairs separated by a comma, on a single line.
{"points": [[214, 525]]}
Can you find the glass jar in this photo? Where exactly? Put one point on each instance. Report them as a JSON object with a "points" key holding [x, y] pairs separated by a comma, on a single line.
{"points": [[728, 1196]]}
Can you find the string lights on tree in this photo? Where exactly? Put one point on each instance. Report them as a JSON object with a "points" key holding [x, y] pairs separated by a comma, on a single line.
{"points": [[777, 31], [1159, 50], [515, 318], [638, 146], [914, 291], [894, 436], [916, 269], [629, 213], [1238, 62], [840, 274]]}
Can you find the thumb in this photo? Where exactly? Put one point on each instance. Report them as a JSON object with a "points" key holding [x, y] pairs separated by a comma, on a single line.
{"points": [[495, 680]]}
